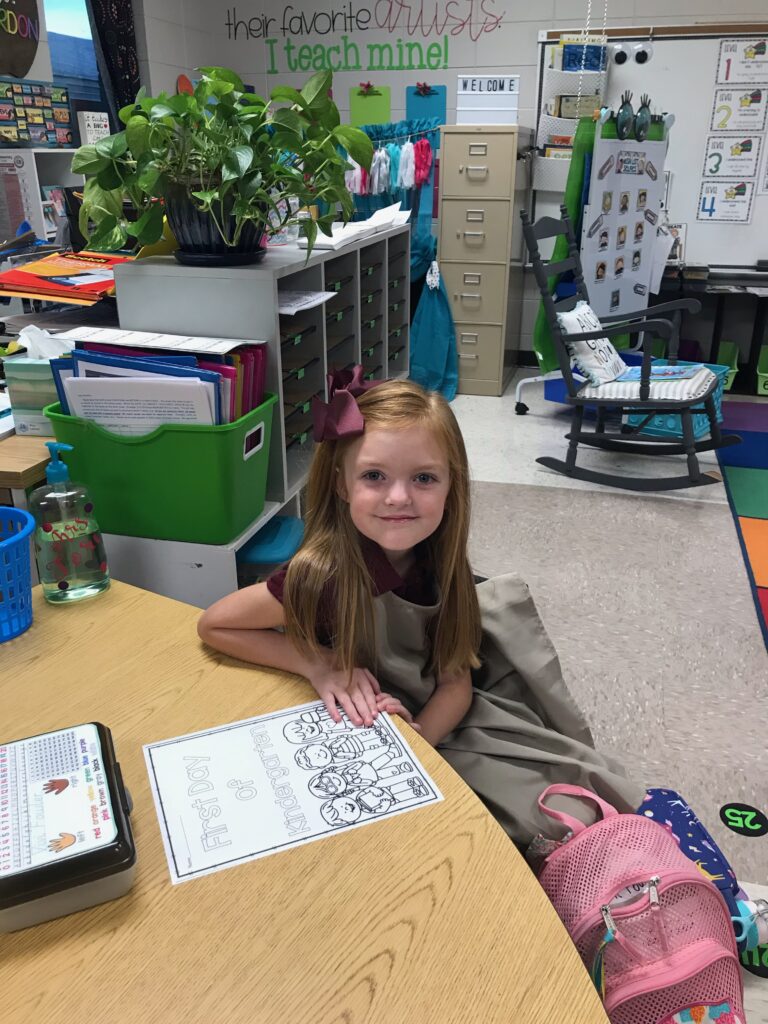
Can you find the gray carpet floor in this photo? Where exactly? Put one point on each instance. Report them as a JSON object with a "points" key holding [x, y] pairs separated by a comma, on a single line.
{"points": [[648, 604]]}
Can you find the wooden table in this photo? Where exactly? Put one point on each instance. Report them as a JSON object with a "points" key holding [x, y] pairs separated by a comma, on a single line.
{"points": [[22, 464], [428, 917]]}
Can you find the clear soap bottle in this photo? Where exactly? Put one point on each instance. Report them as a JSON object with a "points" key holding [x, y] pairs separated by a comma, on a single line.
{"points": [[69, 549]]}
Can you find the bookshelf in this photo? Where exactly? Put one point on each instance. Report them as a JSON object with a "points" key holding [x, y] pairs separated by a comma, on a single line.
{"points": [[367, 321], [24, 173]]}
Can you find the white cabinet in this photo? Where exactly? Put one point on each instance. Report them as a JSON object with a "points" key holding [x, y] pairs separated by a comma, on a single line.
{"points": [[367, 321]]}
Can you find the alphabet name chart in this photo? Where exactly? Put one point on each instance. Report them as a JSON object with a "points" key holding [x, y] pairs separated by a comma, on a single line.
{"points": [[732, 156], [242, 791]]}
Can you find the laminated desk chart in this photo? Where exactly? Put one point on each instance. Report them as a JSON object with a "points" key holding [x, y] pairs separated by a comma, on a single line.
{"points": [[234, 793]]}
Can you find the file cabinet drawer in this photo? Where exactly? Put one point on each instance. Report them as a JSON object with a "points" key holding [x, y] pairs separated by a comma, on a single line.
{"points": [[477, 291], [479, 351], [475, 230], [475, 164]]}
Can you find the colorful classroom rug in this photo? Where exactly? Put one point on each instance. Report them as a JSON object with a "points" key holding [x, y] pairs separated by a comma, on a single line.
{"points": [[745, 468]]}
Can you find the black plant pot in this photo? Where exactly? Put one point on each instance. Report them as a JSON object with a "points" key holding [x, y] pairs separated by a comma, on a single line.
{"points": [[201, 245]]}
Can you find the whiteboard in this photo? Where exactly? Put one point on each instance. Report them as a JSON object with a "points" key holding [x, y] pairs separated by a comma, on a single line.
{"points": [[681, 78]]}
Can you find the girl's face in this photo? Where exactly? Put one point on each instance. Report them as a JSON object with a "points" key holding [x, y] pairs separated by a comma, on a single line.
{"points": [[396, 483]]}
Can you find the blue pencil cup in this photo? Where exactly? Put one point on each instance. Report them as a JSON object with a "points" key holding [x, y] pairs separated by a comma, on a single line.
{"points": [[15, 572]]}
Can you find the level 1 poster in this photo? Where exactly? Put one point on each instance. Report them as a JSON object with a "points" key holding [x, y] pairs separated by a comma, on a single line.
{"points": [[743, 61], [234, 793], [725, 201]]}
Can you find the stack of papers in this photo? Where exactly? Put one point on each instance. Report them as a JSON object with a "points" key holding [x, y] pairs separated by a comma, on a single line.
{"points": [[129, 392], [343, 234]]}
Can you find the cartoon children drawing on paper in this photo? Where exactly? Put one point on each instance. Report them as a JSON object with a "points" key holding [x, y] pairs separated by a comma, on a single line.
{"points": [[342, 810]]}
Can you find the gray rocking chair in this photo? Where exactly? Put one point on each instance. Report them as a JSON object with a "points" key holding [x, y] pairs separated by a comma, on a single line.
{"points": [[649, 323]]}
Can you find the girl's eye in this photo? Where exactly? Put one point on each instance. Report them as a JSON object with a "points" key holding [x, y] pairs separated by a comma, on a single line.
{"points": [[373, 475], [426, 478]]}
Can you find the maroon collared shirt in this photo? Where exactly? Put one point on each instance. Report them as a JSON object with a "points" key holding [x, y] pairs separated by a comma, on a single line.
{"points": [[417, 586]]}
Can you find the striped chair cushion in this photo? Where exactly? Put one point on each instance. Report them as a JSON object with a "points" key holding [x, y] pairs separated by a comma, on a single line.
{"points": [[659, 390]]}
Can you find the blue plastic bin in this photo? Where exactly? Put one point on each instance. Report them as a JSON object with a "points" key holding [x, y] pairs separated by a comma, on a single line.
{"points": [[274, 544], [668, 424], [16, 527]]}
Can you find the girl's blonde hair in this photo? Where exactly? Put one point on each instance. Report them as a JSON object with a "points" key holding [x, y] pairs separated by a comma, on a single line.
{"points": [[331, 552]]}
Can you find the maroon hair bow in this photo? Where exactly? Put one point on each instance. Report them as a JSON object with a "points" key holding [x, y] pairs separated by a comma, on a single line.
{"points": [[339, 416]]}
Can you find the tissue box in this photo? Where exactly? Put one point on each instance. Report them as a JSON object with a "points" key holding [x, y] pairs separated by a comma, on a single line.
{"points": [[31, 387]]}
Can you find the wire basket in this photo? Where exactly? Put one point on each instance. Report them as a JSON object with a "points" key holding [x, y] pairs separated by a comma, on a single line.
{"points": [[15, 572]]}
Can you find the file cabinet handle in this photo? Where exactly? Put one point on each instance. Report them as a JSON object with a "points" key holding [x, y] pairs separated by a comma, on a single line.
{"points": [[470, 295], [472, 278], [469, 356], [478, 149], [471, 234], [465, 339], [475, 216], [477, 169]]}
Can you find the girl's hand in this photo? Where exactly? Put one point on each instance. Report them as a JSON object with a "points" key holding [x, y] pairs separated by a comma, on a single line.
{"points": [[356, 696], [386, 702]]}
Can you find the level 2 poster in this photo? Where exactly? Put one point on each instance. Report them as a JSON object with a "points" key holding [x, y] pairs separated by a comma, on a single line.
{"points": [[732, 156], [741, 109], [234, 793], [725, 201], [743, 61]]}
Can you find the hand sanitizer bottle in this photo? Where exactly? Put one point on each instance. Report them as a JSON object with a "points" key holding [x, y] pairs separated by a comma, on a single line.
{"points": [[69, 549]]}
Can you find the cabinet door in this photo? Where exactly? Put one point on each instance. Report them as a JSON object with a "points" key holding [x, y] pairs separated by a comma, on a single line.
{"points": [[479, 349], [477, 291], [475, 230], [474, 164]]}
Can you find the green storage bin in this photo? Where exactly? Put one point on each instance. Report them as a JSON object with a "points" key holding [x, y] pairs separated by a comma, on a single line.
{"points": [[728, 355], [762, 372], [188, 483]]}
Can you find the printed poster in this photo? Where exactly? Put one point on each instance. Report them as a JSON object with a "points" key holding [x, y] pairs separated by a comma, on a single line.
{"points": [[743, 61], [726, 201], [238, 792], [732, 156], [619, 234], [741, 110]]}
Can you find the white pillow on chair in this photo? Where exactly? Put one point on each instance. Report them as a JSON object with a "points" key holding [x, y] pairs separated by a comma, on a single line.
{"points": [[596, 360]]}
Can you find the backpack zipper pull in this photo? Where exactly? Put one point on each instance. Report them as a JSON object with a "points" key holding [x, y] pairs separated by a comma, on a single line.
{"points": [[653, 892], [655, 902], [608, 921]]}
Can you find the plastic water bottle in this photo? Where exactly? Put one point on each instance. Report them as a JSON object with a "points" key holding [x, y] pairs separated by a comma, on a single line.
{"points": [[69, 549]]}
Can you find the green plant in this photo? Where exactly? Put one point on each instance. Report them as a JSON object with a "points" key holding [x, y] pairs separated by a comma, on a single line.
{"points": [[230, 151]]}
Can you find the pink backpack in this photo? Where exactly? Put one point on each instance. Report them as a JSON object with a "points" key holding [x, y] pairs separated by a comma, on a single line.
{"points": [[653, 932]]}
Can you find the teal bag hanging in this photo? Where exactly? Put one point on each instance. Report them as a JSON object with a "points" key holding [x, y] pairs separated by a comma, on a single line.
{"points": [[434, 362]]}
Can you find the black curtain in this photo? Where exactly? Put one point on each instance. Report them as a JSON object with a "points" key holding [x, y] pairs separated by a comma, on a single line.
{"points": [[114, 40]]}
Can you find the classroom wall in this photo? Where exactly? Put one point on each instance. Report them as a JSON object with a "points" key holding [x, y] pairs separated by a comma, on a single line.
{"points": [[485, 36]]}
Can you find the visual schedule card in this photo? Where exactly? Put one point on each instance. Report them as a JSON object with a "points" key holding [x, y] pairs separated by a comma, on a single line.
{"points": [[242, 791]]}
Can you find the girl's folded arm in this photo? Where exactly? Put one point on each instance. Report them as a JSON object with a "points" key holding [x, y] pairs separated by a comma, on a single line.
{"points": [[446, 707], [244, 625]]}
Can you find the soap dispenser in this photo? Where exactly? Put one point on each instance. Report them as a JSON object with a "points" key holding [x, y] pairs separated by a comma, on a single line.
{"points": [[69, 549]]}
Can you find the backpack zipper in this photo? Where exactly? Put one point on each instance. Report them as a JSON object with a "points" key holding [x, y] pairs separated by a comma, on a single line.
{"points": [[587, 920]]}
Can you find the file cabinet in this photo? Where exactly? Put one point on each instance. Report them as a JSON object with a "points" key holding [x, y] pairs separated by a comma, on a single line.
{"points": [[480, 249]]}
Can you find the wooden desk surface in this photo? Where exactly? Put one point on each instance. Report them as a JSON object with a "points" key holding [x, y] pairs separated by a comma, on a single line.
{"points": [[23, 460], [428, 918]]}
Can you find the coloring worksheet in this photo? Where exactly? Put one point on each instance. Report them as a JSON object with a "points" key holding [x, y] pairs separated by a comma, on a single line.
{"points": [[242, 791]]}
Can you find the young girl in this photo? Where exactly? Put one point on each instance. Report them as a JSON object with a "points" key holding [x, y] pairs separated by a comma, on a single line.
{"points": [[380, 611]]}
